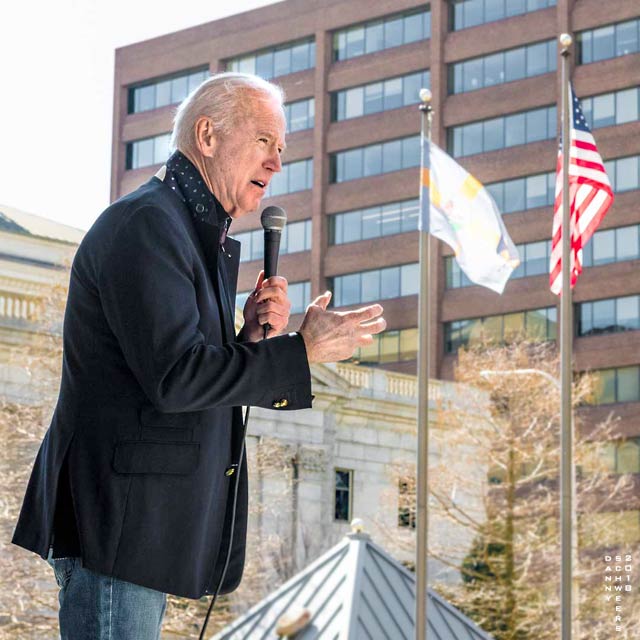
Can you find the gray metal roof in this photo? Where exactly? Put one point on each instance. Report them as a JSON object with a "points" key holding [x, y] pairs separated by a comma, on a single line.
{"points": [[355, 591], [15, 221]]}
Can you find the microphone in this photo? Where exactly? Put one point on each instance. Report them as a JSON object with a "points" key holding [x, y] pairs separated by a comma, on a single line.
{"points": [[273, 220]]}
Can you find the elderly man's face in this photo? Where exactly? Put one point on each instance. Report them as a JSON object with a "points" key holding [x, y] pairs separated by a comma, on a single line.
{"points": [[246, 160]]}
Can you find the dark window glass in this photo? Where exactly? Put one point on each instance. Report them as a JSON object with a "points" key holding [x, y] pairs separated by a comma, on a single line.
{"points": [[352, 164], [373, 98], [494, 69], [536, 124], [281, 62], [393, 33], [515, 64], [627, 37], [392, 93], [371, 223], [515, 130], [493, 134], [603, 43], [472, 139], [300, 57], [264, 65], [355, 42], [370, 286], [390, 283], [412, 28], [392, 156], [342, 495], [372, 160], [537, 59], [374, 37]]}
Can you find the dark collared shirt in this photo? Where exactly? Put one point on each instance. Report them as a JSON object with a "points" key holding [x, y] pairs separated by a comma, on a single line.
{"points": [[183, 177]]}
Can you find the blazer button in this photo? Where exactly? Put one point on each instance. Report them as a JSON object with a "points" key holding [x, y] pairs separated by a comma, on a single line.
{"points": [[229, 471], [279, 404]]}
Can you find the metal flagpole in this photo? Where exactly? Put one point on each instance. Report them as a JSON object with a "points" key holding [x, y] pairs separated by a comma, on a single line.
{"points": [[567, 505], [423, 377]]}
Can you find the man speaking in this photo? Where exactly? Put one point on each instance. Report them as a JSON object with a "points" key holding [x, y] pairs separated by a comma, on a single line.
{"points": [[139, 488]]}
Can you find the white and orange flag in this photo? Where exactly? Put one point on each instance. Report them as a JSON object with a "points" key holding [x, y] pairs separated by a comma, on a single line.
{"points": [[463, 214]]}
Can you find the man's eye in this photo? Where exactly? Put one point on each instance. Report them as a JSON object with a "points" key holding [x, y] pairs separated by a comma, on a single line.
{"points": [[263, 140]]}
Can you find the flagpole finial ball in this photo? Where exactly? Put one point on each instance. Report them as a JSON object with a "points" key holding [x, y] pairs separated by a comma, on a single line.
{"points": [[565, 40], [425, 95]]}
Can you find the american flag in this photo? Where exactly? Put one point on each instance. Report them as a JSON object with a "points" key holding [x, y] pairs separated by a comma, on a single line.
{"points": [[590, 196]]}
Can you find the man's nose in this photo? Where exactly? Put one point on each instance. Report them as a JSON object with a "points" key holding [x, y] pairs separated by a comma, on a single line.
{"points": [[274, 162]]}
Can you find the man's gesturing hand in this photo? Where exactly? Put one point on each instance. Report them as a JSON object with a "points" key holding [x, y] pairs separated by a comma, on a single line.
{"points": [[331, 336]]}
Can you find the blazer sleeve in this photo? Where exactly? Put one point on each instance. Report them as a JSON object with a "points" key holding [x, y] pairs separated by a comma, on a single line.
{"points": [[147, 291]]}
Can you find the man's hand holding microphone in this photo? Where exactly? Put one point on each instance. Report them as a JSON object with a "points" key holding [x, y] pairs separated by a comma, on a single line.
{"points": [[329, 336]]}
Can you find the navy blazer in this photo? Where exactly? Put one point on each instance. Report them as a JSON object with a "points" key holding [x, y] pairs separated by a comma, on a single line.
{"points": [[148, 423]]}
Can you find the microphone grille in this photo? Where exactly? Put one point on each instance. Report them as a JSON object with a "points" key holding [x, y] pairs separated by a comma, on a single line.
{"points": [[273, 218]]}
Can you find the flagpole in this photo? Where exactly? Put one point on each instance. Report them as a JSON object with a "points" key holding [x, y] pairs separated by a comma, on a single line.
{"points": [[567, 489], [424, 333]]}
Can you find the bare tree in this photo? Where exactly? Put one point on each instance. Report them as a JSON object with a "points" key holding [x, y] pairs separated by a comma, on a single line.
{"points": [[510, 569]]}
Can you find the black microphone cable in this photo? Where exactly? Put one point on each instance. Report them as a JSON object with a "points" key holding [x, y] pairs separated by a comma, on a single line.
{"points": [[273, 220]]}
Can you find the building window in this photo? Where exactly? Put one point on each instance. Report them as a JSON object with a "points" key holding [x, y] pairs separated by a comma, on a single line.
{"points": [[504, 66], [277, 61], [296, 237], [534, 261], [528, 192], [502, 132], [379, 221], [614, 456], [299, 295], [609, 109], [377, 284], [612, 245], [389, 346], [295, 176], [611, 315], [164, 91], [343, 501], [375, 159], [611, 41], [469, 13], [385, 33], [378, 96], [624, 173], [407, 502], [621, 384], [535, 324], [147, 152], [300, 115]]}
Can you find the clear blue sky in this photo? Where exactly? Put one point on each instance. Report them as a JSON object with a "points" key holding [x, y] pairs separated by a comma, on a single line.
{"points": [[56, 73]]}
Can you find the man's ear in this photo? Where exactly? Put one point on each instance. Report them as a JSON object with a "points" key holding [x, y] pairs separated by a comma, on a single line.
{"points": [[205, 136]]}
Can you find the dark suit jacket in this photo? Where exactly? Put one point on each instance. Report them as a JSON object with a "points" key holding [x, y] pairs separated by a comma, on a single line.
{"points": [[148, 417]]}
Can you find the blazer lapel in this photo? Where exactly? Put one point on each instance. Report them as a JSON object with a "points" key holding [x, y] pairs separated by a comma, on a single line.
{"points": [[208, 235]]}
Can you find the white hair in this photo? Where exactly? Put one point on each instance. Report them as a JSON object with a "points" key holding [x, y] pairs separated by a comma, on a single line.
{"points": [[226, 98]]}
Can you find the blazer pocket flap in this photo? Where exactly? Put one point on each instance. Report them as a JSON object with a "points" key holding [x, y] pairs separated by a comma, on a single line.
{"points": [[156, 457]]}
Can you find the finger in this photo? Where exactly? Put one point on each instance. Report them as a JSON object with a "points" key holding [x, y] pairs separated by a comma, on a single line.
{"points": [[375, 326], [272, 293], [276, 281], [259, 281], [281, 308], [273, 318], [322, 301], [364, 340], [364, 313]]}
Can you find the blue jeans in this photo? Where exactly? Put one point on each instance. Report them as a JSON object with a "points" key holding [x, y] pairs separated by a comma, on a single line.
{"points": [[98, 607]]}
